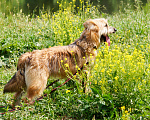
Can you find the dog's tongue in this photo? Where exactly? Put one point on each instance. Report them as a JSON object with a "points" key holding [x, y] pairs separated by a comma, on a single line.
{"points": [[108, 40]]}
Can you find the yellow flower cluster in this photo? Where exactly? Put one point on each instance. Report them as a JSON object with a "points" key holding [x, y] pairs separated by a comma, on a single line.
{"points": [[120, 67], [125, 113]]}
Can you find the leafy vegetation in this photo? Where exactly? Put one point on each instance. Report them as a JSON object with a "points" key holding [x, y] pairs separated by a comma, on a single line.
{"points": [[119, 85]]}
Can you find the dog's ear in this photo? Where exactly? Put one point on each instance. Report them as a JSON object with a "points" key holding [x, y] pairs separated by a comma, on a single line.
{"points": [[90, 25]]}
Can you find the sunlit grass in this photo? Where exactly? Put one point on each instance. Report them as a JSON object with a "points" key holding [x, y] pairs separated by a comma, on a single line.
{"points": [[118, 86]]}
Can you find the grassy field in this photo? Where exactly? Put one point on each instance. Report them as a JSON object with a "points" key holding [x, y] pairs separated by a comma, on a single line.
{"points": [[119, 82]]}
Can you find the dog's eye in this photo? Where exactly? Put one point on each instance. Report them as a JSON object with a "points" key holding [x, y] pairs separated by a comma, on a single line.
{"points": [[106, 25]]}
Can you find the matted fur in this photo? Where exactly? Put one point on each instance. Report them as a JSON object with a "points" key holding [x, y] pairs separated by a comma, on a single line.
{"points": [[34, 68]]}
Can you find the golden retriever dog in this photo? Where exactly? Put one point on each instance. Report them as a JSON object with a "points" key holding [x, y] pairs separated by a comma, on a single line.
{"points": [[34, 68]]}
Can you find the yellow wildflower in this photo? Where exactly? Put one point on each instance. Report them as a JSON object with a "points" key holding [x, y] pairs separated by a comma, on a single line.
{"points": [[76, 66], [97, 60], [100, 82], [103, 70], [123, 108], [66, 65], [95, 81], [74, 76], [126, 112], [67, 91], [96, 66]]}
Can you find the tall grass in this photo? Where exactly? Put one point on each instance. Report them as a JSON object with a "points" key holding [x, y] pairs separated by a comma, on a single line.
{"points": [[119, 85]]}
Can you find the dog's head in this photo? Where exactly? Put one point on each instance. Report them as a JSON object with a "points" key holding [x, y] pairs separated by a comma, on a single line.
{"points": [[99, 30]]}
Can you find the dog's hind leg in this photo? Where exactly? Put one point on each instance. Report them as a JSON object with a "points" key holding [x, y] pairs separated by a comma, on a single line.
{"points": [[36, 83], [17, 98]]}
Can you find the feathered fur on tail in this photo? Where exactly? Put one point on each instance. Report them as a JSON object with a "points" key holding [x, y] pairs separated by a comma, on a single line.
{"points": [[17, 82]]}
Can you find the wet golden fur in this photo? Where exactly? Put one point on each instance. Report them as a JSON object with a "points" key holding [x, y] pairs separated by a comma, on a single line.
{"points": [[34, 68]]}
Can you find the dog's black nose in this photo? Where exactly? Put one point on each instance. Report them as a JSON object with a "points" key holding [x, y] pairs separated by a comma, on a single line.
{"points": [[115, 29]]}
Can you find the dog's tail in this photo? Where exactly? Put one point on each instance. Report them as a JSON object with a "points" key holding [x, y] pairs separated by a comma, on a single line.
{"points": [[17, 82]]}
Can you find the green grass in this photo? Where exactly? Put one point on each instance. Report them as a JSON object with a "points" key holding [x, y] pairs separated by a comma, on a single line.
{"points": [[119, 84]]}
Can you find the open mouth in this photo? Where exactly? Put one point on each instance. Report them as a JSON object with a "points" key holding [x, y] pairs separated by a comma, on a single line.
{"points": [[105, 38]]}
